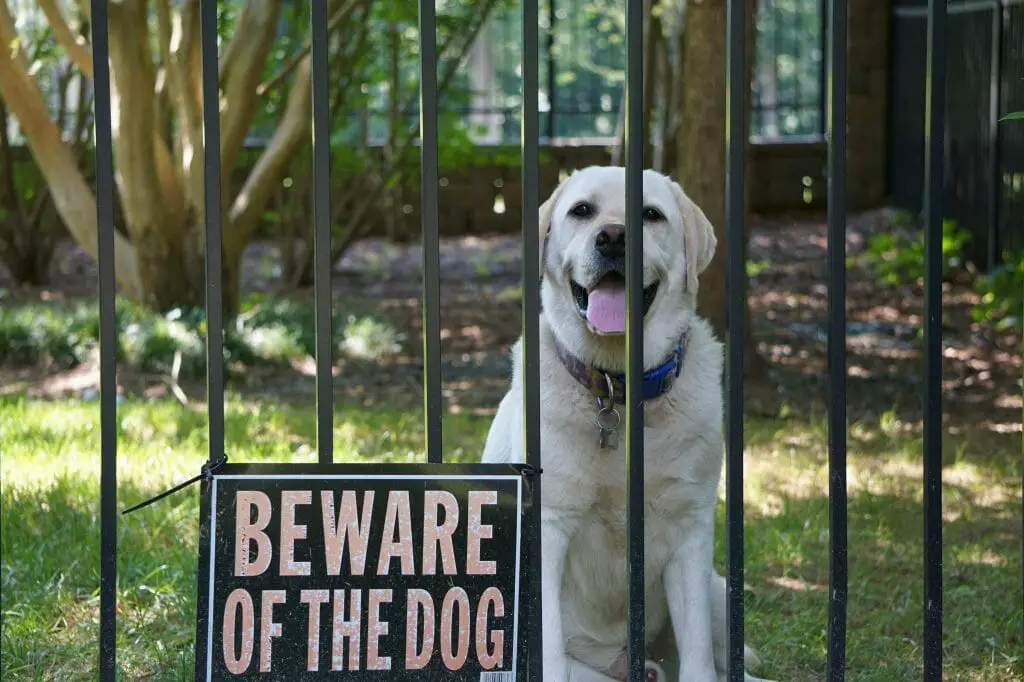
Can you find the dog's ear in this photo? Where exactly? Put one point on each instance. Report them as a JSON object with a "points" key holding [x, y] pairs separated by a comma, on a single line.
{"points": [[544, 224], [698, 237]]}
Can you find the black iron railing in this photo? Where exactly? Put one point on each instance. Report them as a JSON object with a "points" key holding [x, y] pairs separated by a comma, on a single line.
{"points": [[737, 128]]}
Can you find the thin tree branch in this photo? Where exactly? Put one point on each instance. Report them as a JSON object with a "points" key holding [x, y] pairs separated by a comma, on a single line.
{"points": [[293, 61], [76, 47], [152, 195], [289, 135], [180, 58], [389, 172], [452, 67], [240, 71], [63, 80], [185, 54], [71, 195]]}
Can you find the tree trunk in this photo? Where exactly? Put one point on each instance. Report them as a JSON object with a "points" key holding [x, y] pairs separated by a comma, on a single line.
{"points": [[55, 160], [701, 151], [174, 273], [172, 267]]}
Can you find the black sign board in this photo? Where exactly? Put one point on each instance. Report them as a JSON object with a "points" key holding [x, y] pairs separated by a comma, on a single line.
{"points": [[389, 572]]}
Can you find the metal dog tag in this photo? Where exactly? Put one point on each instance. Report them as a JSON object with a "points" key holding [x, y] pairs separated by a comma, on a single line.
{"points": [[607, 422], [610, 439]]}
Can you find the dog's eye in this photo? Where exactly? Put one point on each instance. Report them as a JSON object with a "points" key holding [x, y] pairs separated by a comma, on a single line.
{"points": [[653, 215], [582, 210]]}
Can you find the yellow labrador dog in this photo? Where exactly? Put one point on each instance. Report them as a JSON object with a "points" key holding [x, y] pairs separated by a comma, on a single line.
{"points": [[582, 365]]}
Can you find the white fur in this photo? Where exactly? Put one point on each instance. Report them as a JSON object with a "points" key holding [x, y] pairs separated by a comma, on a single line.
{"points": [[584, 495]]}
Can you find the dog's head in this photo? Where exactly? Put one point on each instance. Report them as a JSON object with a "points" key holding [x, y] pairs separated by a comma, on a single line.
{"points": [[583, 262]]}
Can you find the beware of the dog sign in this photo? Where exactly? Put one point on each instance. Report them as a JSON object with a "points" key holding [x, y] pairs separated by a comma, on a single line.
{"points": [[405, 573]]}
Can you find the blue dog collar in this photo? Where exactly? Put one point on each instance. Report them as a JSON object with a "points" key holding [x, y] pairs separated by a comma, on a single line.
{"points": [[604, 384]]}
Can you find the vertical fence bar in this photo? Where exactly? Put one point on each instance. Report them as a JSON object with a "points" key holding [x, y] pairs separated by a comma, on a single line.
{"points": [[935, 104], [635, 331], [431, 242], [737, 132], [836, 122], [530, 140], [108, 342], [322, 233], [212, 209]]}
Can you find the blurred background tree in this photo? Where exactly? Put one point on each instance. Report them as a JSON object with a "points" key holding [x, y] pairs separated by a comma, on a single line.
{"points": [[157, 118]]}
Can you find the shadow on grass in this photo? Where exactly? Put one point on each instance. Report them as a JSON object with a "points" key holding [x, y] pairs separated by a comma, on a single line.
{"points": [[787, 572]]}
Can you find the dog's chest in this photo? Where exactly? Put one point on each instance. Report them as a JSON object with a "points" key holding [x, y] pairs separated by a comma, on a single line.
{"points": [[595, 575], [665, 505], [603, 530]]}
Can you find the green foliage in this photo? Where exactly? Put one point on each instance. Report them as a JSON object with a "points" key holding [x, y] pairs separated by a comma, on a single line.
{"points": [[33, 332], [1013, 116], [267, 331], [375, 113], [374, 64], [1002, 294], [28, 181], [369, 338], [897, 259]]}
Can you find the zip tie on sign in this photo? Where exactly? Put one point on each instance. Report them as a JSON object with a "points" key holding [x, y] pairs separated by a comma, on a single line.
{"points": [[205, 475]]}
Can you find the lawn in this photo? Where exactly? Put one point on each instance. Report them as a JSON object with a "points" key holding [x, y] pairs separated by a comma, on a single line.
{"points": [[50, 551]]}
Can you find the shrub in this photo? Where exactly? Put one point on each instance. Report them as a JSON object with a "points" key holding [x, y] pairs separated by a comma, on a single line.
{"points": [[36, 332], [895, 259], [1002, 294], [268, 331]]}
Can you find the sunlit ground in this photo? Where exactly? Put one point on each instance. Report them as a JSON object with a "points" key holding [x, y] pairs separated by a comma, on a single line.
{"points": [[50, 530]]}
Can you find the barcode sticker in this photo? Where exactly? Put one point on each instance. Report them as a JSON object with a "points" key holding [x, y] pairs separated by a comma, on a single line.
{"points": [[498, 676]]}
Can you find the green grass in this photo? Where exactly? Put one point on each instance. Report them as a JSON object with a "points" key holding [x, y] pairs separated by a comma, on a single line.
{"points": [[50, 528]]}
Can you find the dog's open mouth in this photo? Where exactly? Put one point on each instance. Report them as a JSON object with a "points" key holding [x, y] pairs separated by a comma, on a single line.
{"points": [[603, 306]]}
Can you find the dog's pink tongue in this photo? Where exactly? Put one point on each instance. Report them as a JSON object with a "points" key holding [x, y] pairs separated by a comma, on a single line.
{"points": [[606, 308]]}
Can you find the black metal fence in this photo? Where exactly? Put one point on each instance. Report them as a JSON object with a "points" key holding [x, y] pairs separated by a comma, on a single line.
{"points": [[984, 159], [935, 47]]}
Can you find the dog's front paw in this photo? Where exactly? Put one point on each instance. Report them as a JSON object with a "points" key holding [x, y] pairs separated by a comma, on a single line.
{"points": [[654, 672]]}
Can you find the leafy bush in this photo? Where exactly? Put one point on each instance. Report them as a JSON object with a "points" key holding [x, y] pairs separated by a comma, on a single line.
{"points": [[896, 259], [268, 331], [368, 338], [1002, 294]]}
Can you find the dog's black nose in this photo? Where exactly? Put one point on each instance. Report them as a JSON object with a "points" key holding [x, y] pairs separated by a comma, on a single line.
{"points": [[611, 241]]}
